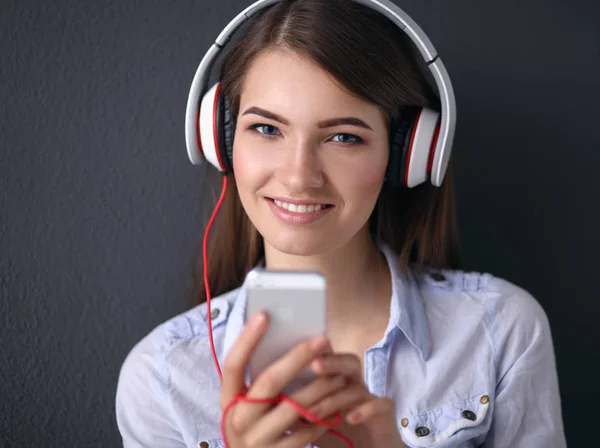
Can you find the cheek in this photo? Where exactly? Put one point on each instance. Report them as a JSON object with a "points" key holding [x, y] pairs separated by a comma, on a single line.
{"points": [[250, 171], [361, 182]]}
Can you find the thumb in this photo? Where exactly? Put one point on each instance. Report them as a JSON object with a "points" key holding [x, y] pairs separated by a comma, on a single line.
{"points": [[234, 366]]}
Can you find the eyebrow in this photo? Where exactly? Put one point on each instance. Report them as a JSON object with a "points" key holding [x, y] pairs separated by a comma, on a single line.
{"points": [[353, 121]]}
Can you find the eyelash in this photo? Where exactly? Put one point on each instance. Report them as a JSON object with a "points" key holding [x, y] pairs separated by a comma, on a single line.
{"points": [[254, 128]]}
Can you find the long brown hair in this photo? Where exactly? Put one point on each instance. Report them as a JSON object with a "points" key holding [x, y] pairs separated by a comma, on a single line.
{"points": [[372, 58]]}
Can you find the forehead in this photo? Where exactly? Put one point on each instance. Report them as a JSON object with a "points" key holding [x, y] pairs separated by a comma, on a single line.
{"points": [[290, 82]]}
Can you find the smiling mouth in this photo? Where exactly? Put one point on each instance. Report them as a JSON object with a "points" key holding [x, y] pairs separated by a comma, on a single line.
{"points": [[300, 208]]}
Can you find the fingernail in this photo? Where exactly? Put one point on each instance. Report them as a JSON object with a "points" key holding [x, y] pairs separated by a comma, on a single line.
{"points": [[316, 366], [318, 342], [259, 319], [354, 417]]}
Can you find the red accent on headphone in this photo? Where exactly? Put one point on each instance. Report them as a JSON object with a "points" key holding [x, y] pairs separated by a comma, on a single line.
{"points": [[410, 146], [200, 148], [432, 149], [215, 132]]}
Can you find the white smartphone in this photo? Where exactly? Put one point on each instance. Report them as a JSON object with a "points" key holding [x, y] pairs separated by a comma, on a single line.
{"points": [[296, 302]]}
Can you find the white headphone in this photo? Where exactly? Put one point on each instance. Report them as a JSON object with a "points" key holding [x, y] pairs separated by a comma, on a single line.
{"points": [[421, 142]]}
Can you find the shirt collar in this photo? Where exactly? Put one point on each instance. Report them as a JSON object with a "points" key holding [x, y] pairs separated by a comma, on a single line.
{"points": [[407, 312]]}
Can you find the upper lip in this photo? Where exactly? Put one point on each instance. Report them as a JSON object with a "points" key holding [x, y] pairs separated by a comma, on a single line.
{"points": [[299, 201]]}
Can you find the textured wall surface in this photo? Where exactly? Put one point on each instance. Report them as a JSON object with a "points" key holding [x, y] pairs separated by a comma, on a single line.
{"points": [[101, 214]]}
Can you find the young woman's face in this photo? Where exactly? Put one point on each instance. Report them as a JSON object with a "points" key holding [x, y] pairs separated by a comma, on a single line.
{"points": [[309, 158]]}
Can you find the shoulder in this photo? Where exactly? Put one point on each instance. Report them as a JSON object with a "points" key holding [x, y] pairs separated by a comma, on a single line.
{"points": [[149, 356], [499, 297], [515, 321], [188, 325]]}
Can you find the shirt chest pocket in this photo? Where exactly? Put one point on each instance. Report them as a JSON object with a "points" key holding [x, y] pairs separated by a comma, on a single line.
{"points": [[456, 424]]}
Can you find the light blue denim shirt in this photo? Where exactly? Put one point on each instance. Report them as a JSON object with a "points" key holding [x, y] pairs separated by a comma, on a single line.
{"points": [[467, 358]]}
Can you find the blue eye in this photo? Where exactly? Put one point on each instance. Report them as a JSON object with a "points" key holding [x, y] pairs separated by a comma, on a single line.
{"points": [[265, 130], [270, 131], [348, 139]]}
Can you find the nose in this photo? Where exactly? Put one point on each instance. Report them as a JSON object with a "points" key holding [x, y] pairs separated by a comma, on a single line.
{"points": [[300, 169]]}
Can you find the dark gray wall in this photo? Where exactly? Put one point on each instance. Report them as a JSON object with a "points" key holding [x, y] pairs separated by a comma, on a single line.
{"points": [[101, 213]]}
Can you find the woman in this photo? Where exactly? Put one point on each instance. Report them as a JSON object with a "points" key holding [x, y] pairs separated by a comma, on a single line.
{"points": [[417, 353]]}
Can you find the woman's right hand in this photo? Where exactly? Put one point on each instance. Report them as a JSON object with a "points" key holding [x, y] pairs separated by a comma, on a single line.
{"points": [[264, 425]]}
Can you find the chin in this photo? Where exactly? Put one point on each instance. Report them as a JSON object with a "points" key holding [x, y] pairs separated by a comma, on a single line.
{"points": [[300, 245]]}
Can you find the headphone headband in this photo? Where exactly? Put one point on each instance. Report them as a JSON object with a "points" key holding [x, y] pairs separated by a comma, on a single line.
{"points": [[441, 152]]}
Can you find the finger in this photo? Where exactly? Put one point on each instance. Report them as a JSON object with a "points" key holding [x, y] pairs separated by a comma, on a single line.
{"points": [[285, 415], [378, 407], [348, 398], [302, 436], [234, 366], [338, 364], [278, 375], [255, 439]]}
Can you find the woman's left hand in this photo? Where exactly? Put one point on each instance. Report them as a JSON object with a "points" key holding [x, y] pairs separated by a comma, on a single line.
{"points": [[357, 405]]}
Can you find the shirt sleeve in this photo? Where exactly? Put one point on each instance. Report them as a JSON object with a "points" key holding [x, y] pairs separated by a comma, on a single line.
{"points": [[142, 409], [527, 410]]}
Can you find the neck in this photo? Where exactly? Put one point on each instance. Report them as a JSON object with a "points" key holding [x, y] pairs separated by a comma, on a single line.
{"points": [[358, 280]]}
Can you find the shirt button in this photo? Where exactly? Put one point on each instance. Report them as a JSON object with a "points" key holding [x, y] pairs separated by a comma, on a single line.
{"points": [[469, 415], [404, 422], [422, 431], [214, 313], [203, 445], [484, 399]]}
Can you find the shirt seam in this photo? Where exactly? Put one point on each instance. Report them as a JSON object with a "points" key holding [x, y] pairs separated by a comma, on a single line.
{"points": [[483, 293], [166, 352]]}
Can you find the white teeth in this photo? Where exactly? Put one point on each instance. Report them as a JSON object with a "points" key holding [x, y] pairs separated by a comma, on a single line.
{"points": [[298, 208]]}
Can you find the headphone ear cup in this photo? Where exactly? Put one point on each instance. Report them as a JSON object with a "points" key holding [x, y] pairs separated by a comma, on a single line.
{"points": [[229, 121], [223, 128], [210, 127], [413, 139], [401, 132]]}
